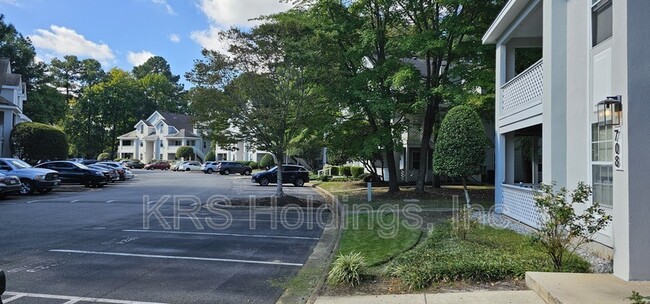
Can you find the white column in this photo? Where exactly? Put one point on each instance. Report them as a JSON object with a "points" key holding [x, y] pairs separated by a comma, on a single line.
{"points": [[554, 88], [500, 139]]}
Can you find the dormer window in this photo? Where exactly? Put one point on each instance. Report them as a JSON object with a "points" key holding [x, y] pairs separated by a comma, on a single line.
{"points": [[141, 129]]}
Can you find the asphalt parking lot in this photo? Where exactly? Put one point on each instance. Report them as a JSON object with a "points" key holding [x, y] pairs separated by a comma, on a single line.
{"points": [[159, 238]]}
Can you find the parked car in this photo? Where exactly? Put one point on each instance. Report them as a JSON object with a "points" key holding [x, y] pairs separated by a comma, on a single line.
{"points": [[174, 166], [124, 172], [209, 167], [133, 164], [75, 173], [157, 165], [108, 171], [189, 166], [233, 167], [9, 184], [291, 174], [32, 179]]}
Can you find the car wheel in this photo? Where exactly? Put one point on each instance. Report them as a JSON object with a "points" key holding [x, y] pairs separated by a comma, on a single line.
{"points": [[89, 183], [226, 172], [210, 170], [28, 186], [188, 169], [264, 181], [298, 182], [246, 172]]}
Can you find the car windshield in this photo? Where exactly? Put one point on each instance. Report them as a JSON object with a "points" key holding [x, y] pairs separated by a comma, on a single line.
{"points": [[273, 169], [82, 166], [19, 164]]}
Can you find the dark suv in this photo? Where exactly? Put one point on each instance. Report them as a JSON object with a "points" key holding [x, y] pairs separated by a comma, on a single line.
{"points": [[291, 174], [75, 173], [226, 168]]}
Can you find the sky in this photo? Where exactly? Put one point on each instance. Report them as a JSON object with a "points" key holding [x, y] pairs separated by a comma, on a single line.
{"points": [[125, 33]]}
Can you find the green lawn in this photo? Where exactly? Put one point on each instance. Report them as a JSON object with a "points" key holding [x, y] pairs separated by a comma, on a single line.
{"points": [[377, 237], [488, 254]]}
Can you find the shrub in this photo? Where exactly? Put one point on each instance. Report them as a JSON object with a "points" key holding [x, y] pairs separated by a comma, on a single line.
{"points": [[356, 171], [267, 161], [334, 170], [118, 159], [185, 152], [210, 156], [325, 178], [103, 156], [347, 269], [561, 229], [637, 298], [34, 141], [254, 165], [346, 171], [460, 148]]}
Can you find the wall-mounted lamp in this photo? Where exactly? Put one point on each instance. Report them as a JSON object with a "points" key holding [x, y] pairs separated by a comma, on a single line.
{"points": [[610, 111]]}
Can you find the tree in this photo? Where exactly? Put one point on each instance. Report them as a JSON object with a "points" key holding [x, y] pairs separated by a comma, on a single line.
{"points": [[445, 37], [161, 87], [267, 161], [72, 75], [155, 65], [46, 105], [185, 152], [21, 54], [210, 156], [461, 145], [32, 141]]}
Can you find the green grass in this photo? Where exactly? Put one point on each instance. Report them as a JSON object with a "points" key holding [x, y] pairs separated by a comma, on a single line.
{"points": [[488, 254], [385, 239]]}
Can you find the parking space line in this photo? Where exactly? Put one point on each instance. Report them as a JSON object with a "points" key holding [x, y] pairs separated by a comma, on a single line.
{"points": [[110, 201], [172, 257], [71, 299], [74, 201], [264, 236], [233, 219]]}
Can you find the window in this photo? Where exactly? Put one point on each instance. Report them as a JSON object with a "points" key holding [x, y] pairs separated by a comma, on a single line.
{"points": [[601, 21], [190, 143], [161, 144], [205, 145], [141, 144], [602, 141], [141, 129], [126, 142]]}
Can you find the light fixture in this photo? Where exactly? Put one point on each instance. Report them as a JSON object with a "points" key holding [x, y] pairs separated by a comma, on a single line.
{"points": [[610, 111]]}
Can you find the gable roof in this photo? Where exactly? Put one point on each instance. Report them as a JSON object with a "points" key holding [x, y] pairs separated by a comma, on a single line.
{"points": [[6, 77], [129, 135], [179, 121]]}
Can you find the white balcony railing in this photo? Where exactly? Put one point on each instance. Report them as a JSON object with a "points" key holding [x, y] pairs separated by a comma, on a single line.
{"points": [[518, 204], [524, 91]]}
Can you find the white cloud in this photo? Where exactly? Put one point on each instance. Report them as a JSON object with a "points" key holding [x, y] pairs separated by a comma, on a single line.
{"points": [[209, 39], [227, 13], [166, 5], [10, 2], [64, 41], [224, 14], [174, 38], [138, 58]]}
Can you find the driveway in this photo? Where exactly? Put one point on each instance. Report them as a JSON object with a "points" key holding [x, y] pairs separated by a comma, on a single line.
{"points": [[157, 239]]}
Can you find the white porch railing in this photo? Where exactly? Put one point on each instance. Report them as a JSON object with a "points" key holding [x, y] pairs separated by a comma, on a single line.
{"points": [[524, 91], [518, 204]]}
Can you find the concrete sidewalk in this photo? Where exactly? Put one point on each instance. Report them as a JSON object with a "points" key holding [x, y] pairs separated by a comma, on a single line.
{"points": [[477, 297]]}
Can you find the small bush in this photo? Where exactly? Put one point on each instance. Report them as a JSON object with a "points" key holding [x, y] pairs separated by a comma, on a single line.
{"points": [[254, 165], [356, 171], [346, 171], [103, 156], [334, 170], [185, 152], [267, 161], [325, 178], [347, 269], [637, 298], [118, 159], [210, 156]]}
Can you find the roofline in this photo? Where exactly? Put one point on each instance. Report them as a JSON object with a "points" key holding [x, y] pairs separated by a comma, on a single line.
{"points": [[508, 14]]}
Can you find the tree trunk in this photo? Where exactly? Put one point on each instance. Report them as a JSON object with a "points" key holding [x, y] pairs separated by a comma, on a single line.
{"points": [[466, 192], [393, 177], [427, 130]]}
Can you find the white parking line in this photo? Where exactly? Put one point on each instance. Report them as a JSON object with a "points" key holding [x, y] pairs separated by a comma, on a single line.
{"points": [[172, 257], [110, 201], [208, 217], [34, 201], [263, 236], [74, 201], [71, 299]]}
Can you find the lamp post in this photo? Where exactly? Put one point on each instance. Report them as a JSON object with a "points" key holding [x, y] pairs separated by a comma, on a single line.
{"points": [[610, 111]]}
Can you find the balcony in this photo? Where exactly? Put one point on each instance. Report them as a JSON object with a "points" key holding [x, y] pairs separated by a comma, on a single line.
{"points": [[522, 95]]}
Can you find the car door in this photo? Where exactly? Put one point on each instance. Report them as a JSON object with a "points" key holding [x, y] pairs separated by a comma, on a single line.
{"points": [[4, 167], [68, 172], [288, 174]]}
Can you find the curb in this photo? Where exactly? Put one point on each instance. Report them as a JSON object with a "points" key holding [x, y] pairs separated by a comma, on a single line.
{"points": [[322, 254]]}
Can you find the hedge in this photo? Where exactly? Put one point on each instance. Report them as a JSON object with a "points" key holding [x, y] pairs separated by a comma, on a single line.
{"points": [[32, 141], [356, 171], [345, 171], [185, 152], [104, 156]]}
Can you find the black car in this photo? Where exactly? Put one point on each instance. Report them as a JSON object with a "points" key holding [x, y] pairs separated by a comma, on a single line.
{"points": [[291, 174], [110, 173], [134, 164], [226, 168], [9, 184], [75, 173]]}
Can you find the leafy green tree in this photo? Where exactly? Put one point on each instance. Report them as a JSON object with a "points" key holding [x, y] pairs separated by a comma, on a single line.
{"points": [[267, 161], [461, 145], [103, 156], [210, 156], [185, 152], [155, 65], [72, 75], [161, 87], [21, 53], [46, 104], [32, 141], [444, 37]]}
